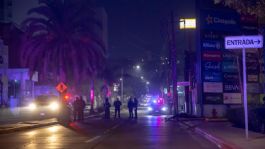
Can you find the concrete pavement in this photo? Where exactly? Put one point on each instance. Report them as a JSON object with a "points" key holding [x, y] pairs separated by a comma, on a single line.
{"points": [[225, 135], [96, 133], [24, 120]]}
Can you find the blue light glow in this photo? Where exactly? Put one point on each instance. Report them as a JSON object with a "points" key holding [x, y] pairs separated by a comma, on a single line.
{"points": [[150, 109]]}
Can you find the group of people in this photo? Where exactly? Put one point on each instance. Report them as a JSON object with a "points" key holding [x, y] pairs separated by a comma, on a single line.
{"points": [[117, 104], [79, 106], [132, 107]]}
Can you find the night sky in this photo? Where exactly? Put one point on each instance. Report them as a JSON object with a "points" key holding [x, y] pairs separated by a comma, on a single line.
{"points": [[138, 27]]}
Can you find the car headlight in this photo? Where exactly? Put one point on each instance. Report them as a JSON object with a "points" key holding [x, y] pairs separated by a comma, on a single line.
{"points": [[149, 108], [164, 109], [54, 106], [32, 106]]}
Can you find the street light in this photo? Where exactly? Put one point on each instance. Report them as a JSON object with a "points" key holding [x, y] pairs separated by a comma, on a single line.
{"points": [[187, 24], [142, 77], [147, 83], [138, 67]]}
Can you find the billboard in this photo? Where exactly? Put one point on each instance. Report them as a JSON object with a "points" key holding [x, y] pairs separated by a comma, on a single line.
{"points": [[232, 98], [213, 98], [232, 87], [212, 66], [231, 77], [219, 20], [230, 66], [212, 56], [212, 76], [211, 45], [213, 87]]}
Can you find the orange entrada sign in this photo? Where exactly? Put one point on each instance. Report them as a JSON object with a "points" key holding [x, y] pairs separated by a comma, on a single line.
{"points": [[61, 87]]}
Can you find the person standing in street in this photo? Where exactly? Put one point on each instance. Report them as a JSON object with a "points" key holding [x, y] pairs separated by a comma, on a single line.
{"points": [[75, 106], [107, 108], [117, 105], [135, 103], [130, 107], [81, 109]]}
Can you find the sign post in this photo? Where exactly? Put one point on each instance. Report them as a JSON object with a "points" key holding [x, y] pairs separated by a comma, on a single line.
{"points": [[243, 42], [61, 88]]}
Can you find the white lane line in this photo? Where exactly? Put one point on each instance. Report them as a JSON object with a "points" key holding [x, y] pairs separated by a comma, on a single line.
{"points": [[92, 139]]}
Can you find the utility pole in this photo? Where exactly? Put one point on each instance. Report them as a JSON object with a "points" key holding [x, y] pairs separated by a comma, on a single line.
{"points": [[121, 79], [174, 64]]}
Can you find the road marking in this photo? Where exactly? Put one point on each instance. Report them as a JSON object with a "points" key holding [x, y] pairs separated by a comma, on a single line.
{"points": [[92, 139], [105, 132]]}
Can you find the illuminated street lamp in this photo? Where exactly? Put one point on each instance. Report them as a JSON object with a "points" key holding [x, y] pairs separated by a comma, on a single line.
{"points": [[187, 23], [142, 77], [138, 67], [147, 83]]}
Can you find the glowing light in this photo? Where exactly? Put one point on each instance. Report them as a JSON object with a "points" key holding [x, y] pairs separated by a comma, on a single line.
{"points": [[52, 139], [32, 106], [138, 67], [188, 23], [154, 101], [164, 109], [32, 133], [150, 109], [54, 106], [53, 129]]}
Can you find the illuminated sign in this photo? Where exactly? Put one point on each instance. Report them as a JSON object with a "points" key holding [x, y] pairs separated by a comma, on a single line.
{"points": [[212, 55], [61, 87], [188, 23], [212, 66], [232, 98], [213, 98], [240, 42], [212, 87]]}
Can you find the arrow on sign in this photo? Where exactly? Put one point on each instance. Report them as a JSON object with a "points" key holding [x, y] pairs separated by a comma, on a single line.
{"points": [[258, 41]]}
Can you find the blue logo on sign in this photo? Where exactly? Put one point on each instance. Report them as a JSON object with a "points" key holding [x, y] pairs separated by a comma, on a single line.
{"points": [[212, 76], [212, 66], [211, 45], [220, 20], [230, 66]]}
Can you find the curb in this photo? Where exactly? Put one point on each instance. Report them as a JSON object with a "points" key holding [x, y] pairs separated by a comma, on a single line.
{"points": [[217, 141], [22, 128]]}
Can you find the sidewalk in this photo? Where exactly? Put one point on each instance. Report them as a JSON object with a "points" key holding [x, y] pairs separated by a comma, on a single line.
{"points": [[9, 128], [226, 136]]}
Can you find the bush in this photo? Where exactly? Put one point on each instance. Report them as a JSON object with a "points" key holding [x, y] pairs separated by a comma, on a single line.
{"points": [[256, 117]]}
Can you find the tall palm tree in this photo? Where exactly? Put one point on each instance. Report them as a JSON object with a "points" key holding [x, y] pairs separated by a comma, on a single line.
{"points": [[62, 40]]}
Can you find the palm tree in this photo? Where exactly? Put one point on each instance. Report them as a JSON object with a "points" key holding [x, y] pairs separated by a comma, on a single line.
{"points": [[62, 41]]}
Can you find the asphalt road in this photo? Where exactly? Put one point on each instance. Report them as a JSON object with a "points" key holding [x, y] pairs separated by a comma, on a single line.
{"points": [[148, 132]]}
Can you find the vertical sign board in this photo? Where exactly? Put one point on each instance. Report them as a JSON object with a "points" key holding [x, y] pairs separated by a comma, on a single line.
{"points": [[244, 42]]}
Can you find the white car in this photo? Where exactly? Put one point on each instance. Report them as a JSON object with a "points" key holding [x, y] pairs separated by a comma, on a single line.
{"points": [[45, 105]]}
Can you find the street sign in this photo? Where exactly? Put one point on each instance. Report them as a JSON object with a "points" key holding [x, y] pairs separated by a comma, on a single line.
{"points": [[239, 42], [244, 42], [61, 87]]}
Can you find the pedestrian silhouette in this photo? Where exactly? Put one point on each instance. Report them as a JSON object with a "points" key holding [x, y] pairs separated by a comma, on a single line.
{"points": [[135, 103], [117, 105], [130, 107], [75, 111], [81, 109], [107, 108]]}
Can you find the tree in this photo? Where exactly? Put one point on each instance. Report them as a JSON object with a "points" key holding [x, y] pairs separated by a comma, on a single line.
{"points": [[254, 7], [62, 41]]}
